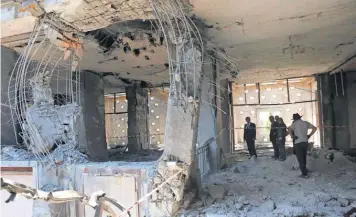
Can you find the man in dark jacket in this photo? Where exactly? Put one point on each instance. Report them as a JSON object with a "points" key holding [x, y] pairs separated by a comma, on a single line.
{"points": [[273, 136], [250, 136], [281, 138]]}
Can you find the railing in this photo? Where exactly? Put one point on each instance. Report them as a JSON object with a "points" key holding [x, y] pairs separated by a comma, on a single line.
{"points": [[203, 156]]}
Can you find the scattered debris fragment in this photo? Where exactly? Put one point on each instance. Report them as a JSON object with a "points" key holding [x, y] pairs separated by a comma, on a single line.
{"points": [[265, 187]]}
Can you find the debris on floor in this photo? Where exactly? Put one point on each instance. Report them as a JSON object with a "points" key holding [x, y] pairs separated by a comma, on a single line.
{"points": [[269, 188], [63, 155]]}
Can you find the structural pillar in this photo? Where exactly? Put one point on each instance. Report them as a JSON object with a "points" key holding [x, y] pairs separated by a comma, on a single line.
{"points": [[326, 110], [8, 60], [180, 138], [223, 117], [92, 102], [137, 111]]}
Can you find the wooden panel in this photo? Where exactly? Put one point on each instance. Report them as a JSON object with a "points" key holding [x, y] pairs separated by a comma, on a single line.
{"points": [[16, 169]]}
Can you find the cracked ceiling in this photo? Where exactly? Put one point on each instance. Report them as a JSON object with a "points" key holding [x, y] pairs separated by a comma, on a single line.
{"points": [[269, 39], [276, 39]]}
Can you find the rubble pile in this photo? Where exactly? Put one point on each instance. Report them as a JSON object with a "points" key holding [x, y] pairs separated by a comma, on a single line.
{"points": [[166, 200], [63, 155], [269, 188]]}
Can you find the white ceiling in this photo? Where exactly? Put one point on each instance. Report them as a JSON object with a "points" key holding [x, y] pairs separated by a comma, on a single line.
{"points": [[278, 38]]}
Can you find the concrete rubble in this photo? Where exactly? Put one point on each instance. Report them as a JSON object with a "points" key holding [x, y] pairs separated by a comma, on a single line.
{"points": [[168, 199], [264, 187]]}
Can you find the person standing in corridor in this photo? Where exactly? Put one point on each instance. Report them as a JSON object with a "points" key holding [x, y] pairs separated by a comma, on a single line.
{"points": [[250, 136], [273, 136], [281, 138], [299, 130]]}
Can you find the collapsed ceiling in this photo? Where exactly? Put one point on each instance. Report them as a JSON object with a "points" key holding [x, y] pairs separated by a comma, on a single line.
{"points": [[268, 39]]}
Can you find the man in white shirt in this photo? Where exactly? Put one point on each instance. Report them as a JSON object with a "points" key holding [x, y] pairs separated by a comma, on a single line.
{"points": [[299, 129]]}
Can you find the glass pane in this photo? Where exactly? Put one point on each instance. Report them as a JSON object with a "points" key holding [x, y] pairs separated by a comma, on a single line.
{"points": [[301, 89], [121, 103], [109, 103], [238, 94], [251, 91]]}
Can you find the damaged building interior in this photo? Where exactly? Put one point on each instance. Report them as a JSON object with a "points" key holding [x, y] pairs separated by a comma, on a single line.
{"points": [[139, 108]]}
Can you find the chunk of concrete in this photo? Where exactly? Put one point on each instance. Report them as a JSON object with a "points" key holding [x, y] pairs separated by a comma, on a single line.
{"points": [[217, 191], [211, 214], [157, 180], [268, 206], [236, 170], [333, 203], [344, 202], [323, 197]]}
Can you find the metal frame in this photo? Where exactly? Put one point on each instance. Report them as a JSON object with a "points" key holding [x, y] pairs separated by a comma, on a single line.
{"points": [[115, 113]]}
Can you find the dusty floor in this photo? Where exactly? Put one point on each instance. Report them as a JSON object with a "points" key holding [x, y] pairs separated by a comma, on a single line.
{"points": [[265, 187]]}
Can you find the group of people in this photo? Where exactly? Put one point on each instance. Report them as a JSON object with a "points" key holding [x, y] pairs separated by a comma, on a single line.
{"points": [[279, 131]]}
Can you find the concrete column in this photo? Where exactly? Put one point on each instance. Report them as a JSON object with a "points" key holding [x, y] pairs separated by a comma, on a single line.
{"points": [[137, 108], [340, 112], [8, 60], [223, 117], [180, 139], [350, 91], [326, 110], [92, 101], [207, 117]]}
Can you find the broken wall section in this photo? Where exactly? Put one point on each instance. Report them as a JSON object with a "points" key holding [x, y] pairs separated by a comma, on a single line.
{"points": [[337, 105]]}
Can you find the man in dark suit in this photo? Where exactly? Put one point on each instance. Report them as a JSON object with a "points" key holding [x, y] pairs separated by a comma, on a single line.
{"points": [[273, 136], [250, 136]]}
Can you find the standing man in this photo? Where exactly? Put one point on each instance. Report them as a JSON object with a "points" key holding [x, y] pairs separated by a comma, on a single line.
{"points": [[299, 129], [273, 136], [281, 138], [250, 136]]}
